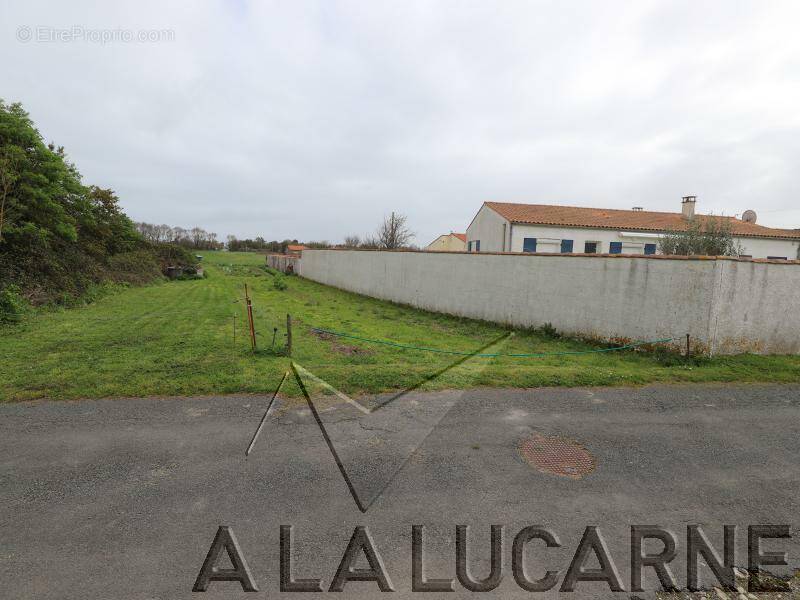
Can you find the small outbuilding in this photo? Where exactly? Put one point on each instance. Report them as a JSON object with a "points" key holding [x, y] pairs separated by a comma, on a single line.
{"points": [[295, 249]]}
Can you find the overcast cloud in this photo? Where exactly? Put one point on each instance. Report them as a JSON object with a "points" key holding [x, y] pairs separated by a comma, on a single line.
{"points": [[312, 120]]}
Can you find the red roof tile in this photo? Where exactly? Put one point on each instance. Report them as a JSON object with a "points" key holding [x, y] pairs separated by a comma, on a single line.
{"points": [[461, 236], [634, 220]]}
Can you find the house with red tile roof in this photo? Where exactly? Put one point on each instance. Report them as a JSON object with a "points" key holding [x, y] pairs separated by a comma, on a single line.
{"points": [[448, 242], [507, 227]]}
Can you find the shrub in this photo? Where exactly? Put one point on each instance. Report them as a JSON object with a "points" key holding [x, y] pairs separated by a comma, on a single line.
{"points": [[279, 282], [705, 236], [137, 267], [548, 331], [172, 255], [93, 293], [12, 305]]}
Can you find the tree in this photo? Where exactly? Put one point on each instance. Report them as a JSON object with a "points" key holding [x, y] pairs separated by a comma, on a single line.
{"points": [[393, 232], [352, 241], [58, 236], [110, 231], [705, 236], [370, 243], [195, 238], [10, 157]]}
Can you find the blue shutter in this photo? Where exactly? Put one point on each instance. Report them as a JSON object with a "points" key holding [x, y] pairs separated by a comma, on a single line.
{"points": [[477, 245], [566, 246], [469, 246], [649, 248], [529, 245], [615, 248]]}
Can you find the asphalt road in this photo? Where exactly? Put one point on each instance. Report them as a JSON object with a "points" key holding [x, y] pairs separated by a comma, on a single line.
{"points": [[122, 498]]}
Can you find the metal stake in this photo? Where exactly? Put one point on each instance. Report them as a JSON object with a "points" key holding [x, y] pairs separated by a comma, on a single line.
{"points": [[250, 319], [288, 335]]}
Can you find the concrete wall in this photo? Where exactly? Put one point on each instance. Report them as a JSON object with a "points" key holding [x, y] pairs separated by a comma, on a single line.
{"points": [[756, 308], [286, 263], [727, 305]]}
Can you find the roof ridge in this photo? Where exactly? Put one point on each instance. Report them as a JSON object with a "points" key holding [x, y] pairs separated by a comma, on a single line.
{"points": [[626, 210]]}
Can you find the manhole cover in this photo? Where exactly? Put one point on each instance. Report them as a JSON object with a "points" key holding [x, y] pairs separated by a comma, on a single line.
{"points": [[557, 455]]}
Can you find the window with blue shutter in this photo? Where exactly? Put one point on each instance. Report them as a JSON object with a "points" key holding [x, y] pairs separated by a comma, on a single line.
{"points": [[615, 247], [469, 246], [477, 245], [649, 248], [529, 245], [566, 246]]}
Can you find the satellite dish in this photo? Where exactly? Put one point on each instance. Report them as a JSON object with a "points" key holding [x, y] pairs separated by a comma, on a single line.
{"points": [[749, 216]]}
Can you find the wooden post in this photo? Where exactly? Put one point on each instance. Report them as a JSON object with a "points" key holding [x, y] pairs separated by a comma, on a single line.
{"points": [[288, 335], [688, 347], [250, 319]]}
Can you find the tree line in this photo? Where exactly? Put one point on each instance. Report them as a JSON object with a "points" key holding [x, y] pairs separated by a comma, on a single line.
{"points": [[258, 244], [195, 238], [392, 234]]}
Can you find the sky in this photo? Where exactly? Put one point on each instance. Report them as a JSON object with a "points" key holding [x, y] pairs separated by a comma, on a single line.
{"points": [[314, 120]]}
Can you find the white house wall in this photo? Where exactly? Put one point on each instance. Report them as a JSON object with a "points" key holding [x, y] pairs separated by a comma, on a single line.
{"points": [[488, 226], [763, 248], [548, 239]]}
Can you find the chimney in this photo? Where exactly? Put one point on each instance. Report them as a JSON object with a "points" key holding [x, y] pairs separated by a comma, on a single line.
{"points": [[687, 207]]}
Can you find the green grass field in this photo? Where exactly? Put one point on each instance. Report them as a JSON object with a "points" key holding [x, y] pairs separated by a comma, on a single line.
{"points": [[176, 338]]}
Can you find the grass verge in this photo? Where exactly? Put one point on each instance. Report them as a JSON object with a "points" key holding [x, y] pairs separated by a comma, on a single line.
{"points": [[176, 338]]}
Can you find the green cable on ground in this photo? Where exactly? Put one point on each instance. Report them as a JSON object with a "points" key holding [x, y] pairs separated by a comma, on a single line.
{"points": [[459, 353]]}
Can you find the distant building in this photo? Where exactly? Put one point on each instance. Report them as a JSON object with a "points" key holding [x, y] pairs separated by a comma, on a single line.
{"points": [[295, 248], [452, 242], [505, 227]]}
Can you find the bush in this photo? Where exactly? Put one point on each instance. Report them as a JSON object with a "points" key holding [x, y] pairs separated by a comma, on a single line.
{"points": [[172, 255], [548, 331], [93, 293], [137, 267], [279, 282], [704, 236], [670, 357], [12, 305]]}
